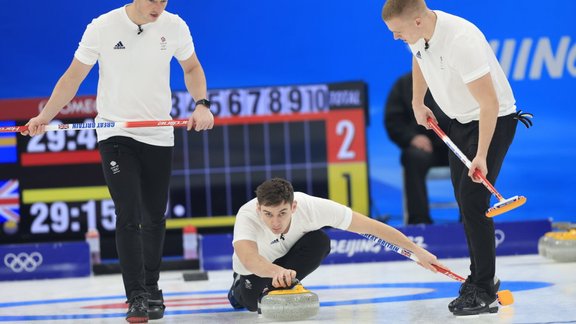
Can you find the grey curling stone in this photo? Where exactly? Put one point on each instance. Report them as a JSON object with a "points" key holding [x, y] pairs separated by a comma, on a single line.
{"points": [[563, 249], [292, 304], [543, 244]]}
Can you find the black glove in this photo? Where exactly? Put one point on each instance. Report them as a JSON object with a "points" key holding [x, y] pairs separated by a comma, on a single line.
{"points": [[524, 117]]}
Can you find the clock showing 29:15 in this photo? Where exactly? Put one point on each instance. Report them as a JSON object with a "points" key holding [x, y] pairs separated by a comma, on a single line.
{"points": [[65, 217]]}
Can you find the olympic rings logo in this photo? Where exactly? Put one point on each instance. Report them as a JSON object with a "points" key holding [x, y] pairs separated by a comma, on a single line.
{"points": [[499, 236], [23, 261]]}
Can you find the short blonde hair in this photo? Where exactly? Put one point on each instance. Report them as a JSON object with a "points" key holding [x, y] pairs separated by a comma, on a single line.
{"points": [[397, 8]]}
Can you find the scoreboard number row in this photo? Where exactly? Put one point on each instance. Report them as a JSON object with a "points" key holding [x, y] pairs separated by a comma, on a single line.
{"points": [[257, 101]]}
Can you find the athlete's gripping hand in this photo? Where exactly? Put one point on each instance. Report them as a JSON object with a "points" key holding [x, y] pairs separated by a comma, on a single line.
{"points": [[421, 113], [283, 278], [428, 260], [201, 119], [478, 164], [36, 126]]}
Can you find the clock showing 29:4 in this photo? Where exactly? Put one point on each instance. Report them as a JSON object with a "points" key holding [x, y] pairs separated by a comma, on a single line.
{"points": [[60, 147], [70, 140]]}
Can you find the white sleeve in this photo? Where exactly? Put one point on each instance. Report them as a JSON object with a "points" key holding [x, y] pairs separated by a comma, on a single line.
{"points": [[244, 227], [325, 212], [88, 50], [469, 57], [185, 47]]}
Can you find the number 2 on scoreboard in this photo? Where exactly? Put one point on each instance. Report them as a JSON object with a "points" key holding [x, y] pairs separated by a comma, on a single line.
{"points": [[346, 128]]}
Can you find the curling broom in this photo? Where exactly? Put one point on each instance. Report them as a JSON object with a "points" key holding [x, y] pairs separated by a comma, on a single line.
{"points": [[505, 297], [503, 205]]}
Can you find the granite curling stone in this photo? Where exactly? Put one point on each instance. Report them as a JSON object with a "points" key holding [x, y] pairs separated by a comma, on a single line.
{"points": [[563, 247], [559, 245], [291, 304]]}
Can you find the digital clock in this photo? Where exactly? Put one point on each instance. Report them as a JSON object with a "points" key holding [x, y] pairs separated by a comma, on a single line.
{"points": [[60, 147], [62, 216], [312, 135]]}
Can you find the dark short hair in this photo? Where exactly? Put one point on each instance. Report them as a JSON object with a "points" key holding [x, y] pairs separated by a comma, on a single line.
{"points": [[274, 192]]}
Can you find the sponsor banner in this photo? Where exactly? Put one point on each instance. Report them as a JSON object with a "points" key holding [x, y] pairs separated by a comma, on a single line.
{"points": [[445, 241], [44, 261], [24, 109]]}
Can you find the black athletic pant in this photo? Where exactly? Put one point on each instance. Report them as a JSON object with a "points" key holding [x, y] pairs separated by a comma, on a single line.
{"points": [[304, 257], [417, 163], [138, 177], [474, 199]]}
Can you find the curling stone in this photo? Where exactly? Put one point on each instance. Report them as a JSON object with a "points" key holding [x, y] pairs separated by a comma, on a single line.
{"points": [[563, 247], [291, 304], [544, 242]]}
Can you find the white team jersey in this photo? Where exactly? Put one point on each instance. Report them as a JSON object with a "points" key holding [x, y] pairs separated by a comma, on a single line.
{"points": [[134, 81], [459, 54], [312, 213]]}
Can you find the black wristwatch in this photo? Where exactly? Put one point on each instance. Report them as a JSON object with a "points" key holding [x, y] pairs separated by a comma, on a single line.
{"points": [[204, 102]]}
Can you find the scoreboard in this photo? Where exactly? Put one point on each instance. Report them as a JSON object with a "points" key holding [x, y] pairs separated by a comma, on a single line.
{"points": [[52, 187]]}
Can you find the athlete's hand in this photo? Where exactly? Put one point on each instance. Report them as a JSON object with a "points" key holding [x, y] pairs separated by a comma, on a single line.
{"points": [[428, 260], [421, 113], [478, 164], [201, 119], [283, 278], [35, 126]]}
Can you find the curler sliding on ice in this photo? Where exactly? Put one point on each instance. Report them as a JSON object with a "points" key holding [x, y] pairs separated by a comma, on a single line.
{"points": [[503, 205], [100, 125]]}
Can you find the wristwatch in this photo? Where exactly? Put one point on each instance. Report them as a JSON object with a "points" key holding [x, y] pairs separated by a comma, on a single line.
{"points": [[204, 102]]}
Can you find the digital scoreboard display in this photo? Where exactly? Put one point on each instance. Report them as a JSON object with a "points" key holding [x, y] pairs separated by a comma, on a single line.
{"points": [[52, 187]]}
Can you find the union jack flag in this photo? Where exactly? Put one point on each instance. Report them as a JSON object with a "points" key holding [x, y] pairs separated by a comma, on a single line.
{"points": [[9, 198]]}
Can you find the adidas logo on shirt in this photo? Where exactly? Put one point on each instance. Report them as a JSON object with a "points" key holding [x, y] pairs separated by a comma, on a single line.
{"points": [[275, 241], [418, 55], [119, 46]]}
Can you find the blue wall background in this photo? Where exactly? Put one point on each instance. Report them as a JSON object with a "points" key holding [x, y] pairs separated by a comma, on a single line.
{"points": [[260, 42]]}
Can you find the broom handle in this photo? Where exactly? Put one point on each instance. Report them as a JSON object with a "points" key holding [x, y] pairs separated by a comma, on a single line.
{"points": [[410, 255], [462, 157], [100, 125]]}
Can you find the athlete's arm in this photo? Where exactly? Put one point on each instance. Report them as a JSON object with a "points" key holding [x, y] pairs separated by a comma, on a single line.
{"points": [[247, 252], [201, 118], [483, 91], [65, 89], [419, 88], [365, 225]]}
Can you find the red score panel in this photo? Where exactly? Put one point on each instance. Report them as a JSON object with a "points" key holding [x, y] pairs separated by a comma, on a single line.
{"points": [[24, 109], [345, 136]]}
